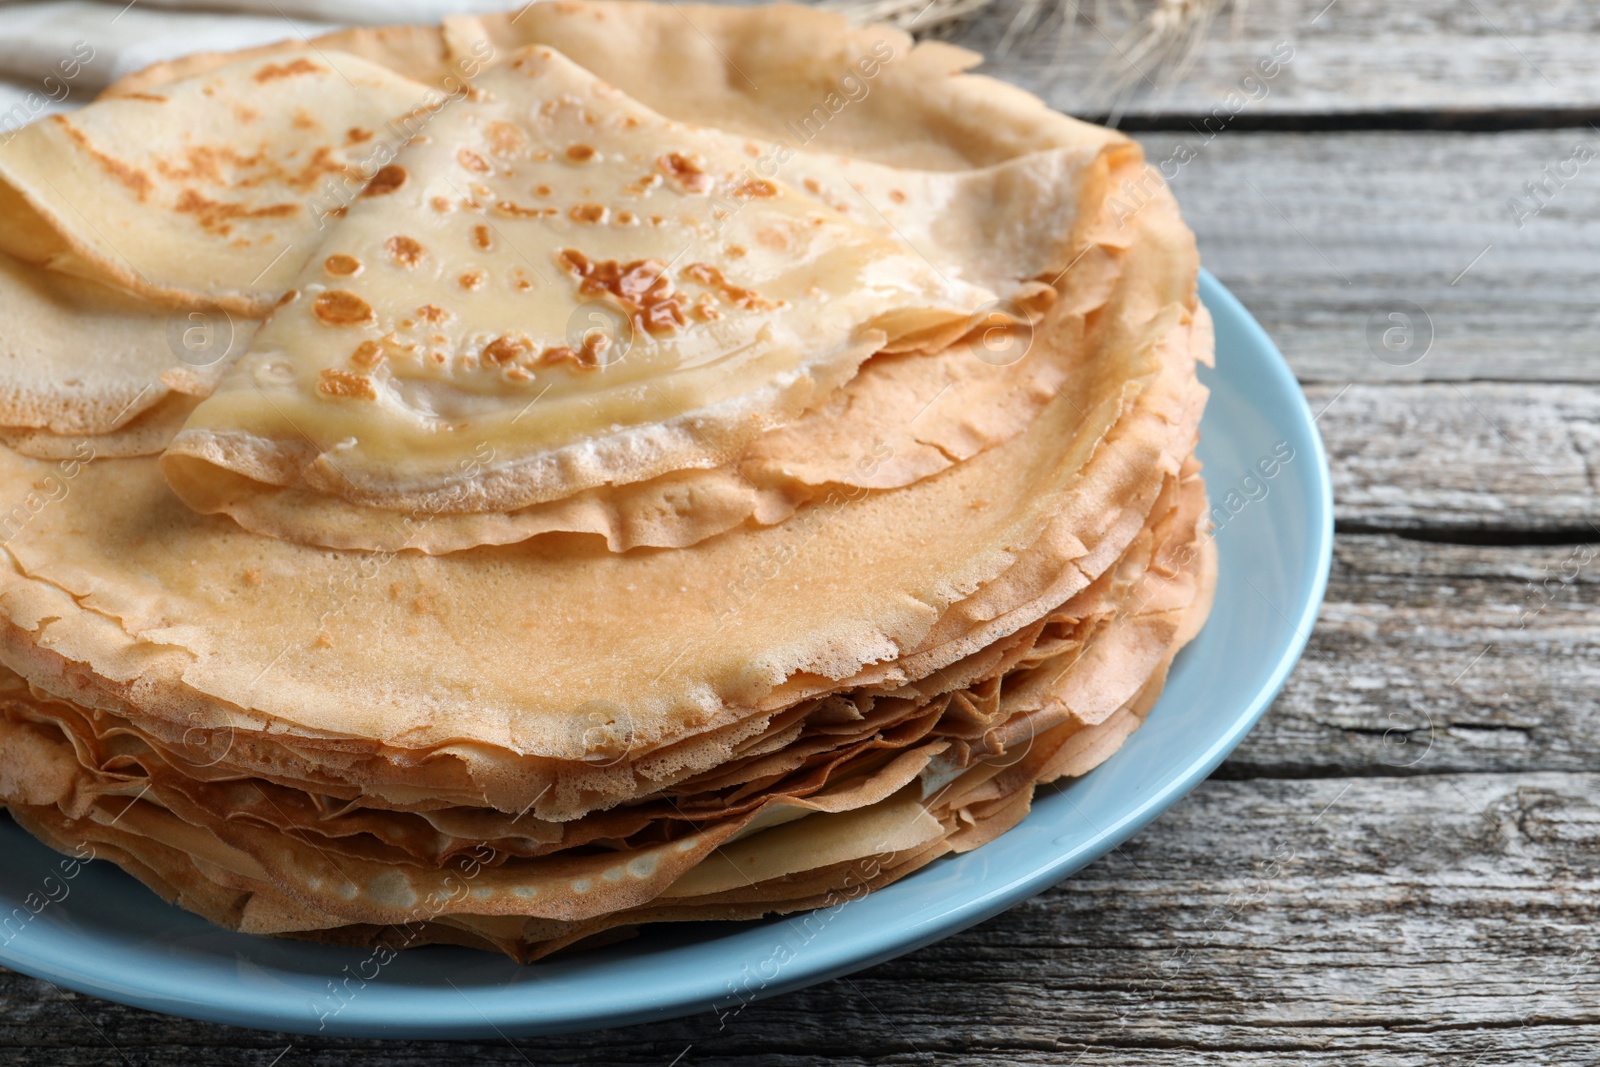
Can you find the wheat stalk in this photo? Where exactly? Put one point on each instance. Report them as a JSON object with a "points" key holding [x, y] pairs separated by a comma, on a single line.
{"points": [[1164, 43], [915, 16], [1157, 48]]}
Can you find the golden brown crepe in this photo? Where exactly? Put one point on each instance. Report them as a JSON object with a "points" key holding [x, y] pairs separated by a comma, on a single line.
{"points": [[886, 559], [144, 236], [1023, 217], [212, 190], [427, 356], [90, 370], [349, 867]]}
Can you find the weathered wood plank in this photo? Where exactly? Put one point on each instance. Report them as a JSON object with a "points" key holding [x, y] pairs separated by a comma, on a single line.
{"points": [[1433, 658], [1385, 921], [1350, 56], [1479, 456], [1323, 235]]}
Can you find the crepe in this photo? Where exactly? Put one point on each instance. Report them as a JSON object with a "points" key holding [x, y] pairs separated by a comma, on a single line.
{"points": [[771, 855], [1022, 217], [212, 190], [87, 370], [202, 611], [143, 238], [430, 359], [790, 72], [898, 420], [888, 558]]}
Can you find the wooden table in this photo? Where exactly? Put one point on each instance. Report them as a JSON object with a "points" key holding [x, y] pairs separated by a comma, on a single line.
{"points": [[1400, 866]]}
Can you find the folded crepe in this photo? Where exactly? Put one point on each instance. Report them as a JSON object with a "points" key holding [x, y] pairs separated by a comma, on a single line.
{"points": [[169, 222], [449, 322], [433, 325], [212, 190], [866, 503], [90, 370]]}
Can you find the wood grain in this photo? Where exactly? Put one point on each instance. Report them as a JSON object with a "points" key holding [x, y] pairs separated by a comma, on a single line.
{"points": [[1474, 458], [1435, 658], [1433, 60], [1322, 235]]}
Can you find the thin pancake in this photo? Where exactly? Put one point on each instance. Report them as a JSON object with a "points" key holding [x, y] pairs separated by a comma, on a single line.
{"points": [[430, 359], [904, 417], [212, 190]]}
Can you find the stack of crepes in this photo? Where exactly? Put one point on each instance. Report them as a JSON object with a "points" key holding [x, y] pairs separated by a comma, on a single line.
{"points": [[509, 482]]}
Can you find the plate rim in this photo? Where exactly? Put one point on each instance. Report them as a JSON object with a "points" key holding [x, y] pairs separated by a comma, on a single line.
{"points": [[826, 960]]}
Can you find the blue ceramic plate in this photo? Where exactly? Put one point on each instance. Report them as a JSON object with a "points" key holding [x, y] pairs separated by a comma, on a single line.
{"points": [[104, 934]]}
